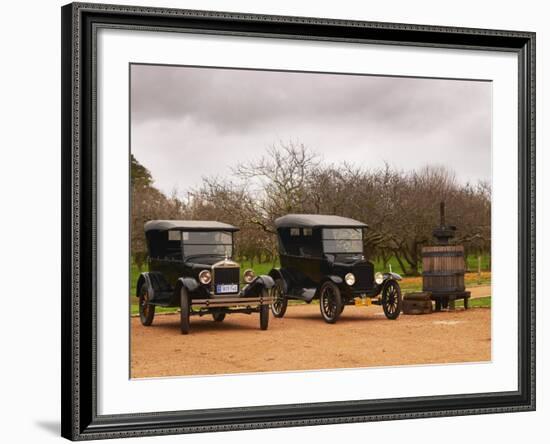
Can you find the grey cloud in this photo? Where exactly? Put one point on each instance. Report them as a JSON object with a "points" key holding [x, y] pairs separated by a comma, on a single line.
{"points": [[223, 115]]}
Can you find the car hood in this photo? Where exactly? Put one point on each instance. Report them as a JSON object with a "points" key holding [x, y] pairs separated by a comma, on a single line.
{"points": [[203, 261], [348, 261]]}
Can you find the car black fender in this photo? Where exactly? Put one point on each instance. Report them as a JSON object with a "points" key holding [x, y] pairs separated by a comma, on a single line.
{"points": [[257, 285], [277, 273], [334, 278], [392, 275], [389, 276], [267, 281], [155, 281], [189, 283]]}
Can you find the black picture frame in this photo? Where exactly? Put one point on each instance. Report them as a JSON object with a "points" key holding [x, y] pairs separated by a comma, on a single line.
{"points": [[79, 390]]}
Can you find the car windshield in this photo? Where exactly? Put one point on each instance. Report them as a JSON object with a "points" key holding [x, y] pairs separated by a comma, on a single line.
{"points": [[206, 243], [343, 240]]}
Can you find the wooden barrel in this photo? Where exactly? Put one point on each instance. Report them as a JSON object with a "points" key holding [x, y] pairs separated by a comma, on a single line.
{"points": [[443, 269]]}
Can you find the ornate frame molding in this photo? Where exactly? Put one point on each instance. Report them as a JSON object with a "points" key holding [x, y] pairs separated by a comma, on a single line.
{"points": [[80, 22]]}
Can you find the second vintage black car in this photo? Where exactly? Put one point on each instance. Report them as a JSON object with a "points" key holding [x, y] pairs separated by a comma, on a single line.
{"points": [[322, 258], [191, 267]]}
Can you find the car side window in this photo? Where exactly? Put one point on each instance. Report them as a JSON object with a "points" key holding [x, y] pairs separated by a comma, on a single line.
{"points": [[174, 235], [164, 244], [303, 242]]}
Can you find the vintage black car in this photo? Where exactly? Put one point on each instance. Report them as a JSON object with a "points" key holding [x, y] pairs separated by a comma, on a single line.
{"points": [[190, 267], [322, 258]]}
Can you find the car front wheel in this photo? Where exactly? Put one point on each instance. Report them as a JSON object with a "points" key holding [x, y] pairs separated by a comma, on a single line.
{"points": [[280, 302], [185, 305], [330, 302], [391, 299], [146, 310], [264, 317]]}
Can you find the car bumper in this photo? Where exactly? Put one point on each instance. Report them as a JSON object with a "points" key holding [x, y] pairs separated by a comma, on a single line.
{"points": [[368, 292], [252, 295], [231, 301]]}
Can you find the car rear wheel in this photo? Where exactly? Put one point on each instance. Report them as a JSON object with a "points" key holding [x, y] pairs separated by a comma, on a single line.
{"points": [[218, 316], [185, 305], [330, 302], [391, 299], [279, 302], [146, 310]]}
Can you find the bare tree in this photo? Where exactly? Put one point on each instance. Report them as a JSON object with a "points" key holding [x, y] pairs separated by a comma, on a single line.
{"points": [[400, 207], [280, 178]]}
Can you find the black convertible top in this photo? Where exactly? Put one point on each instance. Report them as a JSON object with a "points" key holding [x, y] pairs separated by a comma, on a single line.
{"points": [[317, 220], [188, 225]]}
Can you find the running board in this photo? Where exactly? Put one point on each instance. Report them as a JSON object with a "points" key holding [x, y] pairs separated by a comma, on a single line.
{"points": [[306, 295]]}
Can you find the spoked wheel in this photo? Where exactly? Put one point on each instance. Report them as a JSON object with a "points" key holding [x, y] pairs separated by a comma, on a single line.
{"points": [[280, 302], [264, 314], [391, 299], [185, 305], [146, 310], [330, 302], [218, 316]]}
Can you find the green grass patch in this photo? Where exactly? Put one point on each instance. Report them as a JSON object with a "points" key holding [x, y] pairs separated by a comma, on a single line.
{"points": [[472, 265], [380, 265], [484, 302], [263, 268]]}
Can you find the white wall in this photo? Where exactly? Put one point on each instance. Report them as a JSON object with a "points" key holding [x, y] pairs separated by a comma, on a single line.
{"points": [[30, 187]]}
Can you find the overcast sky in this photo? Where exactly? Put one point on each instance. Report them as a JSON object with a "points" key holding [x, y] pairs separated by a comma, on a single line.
{"points": [[187, 123]]}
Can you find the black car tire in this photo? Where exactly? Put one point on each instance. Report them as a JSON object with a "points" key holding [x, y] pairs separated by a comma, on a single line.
{"points": [[185, 305], [264, 316], [279, 302], [218, 316], [264, 312], [146, 310], [330, 301], [391, 299]]}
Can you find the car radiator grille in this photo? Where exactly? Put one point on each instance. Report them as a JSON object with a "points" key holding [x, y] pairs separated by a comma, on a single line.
{"points": [[225, 276], [364, 276]]}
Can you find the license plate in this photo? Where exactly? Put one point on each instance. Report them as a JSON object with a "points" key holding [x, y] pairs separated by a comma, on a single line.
{"points": [[363, 301], [227, 288]]}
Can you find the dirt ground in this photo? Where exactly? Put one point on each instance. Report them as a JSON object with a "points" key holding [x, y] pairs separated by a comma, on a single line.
{"points": [[301, 340]]}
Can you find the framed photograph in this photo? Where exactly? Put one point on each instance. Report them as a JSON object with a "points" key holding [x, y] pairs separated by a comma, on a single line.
{"points": [[282, 221]]}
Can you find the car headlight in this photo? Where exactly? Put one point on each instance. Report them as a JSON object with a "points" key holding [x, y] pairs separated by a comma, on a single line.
{"points": [[350, 279], [249, 275], [205, 277], [378, 278]]}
